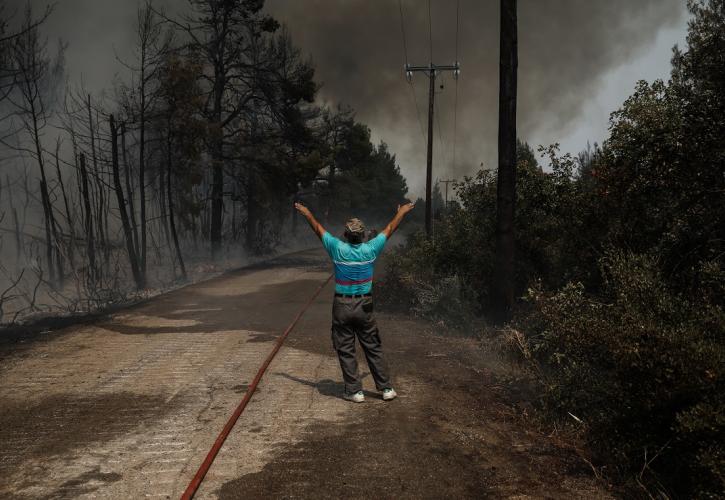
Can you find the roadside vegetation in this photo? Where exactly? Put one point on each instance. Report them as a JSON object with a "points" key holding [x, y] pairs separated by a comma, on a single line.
{"points": [[619, 275]]}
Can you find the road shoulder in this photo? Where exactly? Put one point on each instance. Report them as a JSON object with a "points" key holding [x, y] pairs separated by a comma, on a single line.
{"points": [[453, 432]]}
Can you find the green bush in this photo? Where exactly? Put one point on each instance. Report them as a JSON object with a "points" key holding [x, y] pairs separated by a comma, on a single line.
{"points": [[411, 285], [551, 239], [644, 370]]}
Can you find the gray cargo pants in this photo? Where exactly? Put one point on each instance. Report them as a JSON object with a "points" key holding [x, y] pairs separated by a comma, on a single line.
{"points": [[353, 316]]}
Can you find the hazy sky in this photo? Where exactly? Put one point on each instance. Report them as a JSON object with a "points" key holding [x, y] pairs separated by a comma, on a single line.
{"points": [[578, 60]]}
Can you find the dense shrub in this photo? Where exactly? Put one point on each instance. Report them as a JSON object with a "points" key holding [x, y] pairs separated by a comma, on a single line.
{"points": [[444, 299], [551, 238], [643, 368]]}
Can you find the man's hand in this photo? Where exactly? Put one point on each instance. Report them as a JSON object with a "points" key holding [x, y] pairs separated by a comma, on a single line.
{"points": [[393, 225], [404, 209], [302, 209], [316, 226]]}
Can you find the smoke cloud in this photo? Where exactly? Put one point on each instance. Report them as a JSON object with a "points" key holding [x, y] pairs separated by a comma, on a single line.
{"points": [[566, 48]]}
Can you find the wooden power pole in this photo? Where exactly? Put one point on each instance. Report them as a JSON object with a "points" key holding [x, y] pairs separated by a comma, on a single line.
{"points": [[446, 182], [431, 70], [503, 296]]}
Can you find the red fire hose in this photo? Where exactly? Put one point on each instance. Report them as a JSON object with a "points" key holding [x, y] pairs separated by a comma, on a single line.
{"points": [[206, 464]]}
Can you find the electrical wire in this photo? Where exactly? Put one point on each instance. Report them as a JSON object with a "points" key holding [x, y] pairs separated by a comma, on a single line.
{"points": [[455, 105], [402, 31], [430, 33], [417, 111], [410, 82], [443, 149], [458, 11]]}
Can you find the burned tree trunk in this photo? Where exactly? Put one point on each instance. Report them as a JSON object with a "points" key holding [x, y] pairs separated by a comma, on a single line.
{"points": [[16, 225], [90, 244], [163, 219], [45, 198], [122, 207], [217, 182], [48, 238], [68, 214], [252, 213], [170, 199], [100, 195], [142, 175], [129, 190], [503, 296]]}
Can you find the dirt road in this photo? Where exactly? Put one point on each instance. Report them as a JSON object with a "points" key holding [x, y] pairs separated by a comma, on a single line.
{"points": [[128, 406]]}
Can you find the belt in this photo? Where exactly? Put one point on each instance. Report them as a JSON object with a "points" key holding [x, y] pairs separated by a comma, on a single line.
{"points": [[353, 296]]}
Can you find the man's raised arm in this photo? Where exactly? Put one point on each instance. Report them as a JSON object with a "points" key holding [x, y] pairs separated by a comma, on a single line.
{"points": [[316, 226], [393, 224]]}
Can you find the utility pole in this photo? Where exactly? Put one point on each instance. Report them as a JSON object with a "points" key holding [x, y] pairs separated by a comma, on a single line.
{"points": [[503, 290], [431, 70], [446, 182]]}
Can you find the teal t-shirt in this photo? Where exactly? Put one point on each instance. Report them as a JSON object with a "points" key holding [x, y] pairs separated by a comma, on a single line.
{"points": [[353, 263]]}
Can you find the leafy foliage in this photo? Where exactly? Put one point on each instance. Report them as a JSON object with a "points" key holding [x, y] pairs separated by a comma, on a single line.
{"points": [[621, 250], [643, 367]]}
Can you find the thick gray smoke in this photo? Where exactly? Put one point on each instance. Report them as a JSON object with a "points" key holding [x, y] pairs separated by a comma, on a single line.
{"points": [[565, 49]]}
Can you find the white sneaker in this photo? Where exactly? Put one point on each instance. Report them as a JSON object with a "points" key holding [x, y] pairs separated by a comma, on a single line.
{"points": [[355, 397], [389, 393]]}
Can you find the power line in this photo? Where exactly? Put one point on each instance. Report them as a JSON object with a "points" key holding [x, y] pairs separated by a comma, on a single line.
{"points": [[455, 104], [437, 114], [430, 33], [431, 70], [417, 110], [402, 31], [458, 10], [410, 81], [444, 149]]}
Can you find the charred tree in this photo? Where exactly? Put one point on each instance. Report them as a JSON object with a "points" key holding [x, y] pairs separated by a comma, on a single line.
{"points": [[128, 234], [88, 216], [99, 185], [66, 204], [128, 174], [36, 75], [170, 200]]}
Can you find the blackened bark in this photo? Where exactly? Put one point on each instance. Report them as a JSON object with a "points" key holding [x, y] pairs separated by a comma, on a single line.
{"points": [[217, 153], [252, 215], [142, 165], [68, 213], [172, 223], [96, 177], [18, 240], [48, 238], [217, 201], [129, 190], [162, 208], [90, 245], [503, 293], [45, 198], [133, 259]]}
